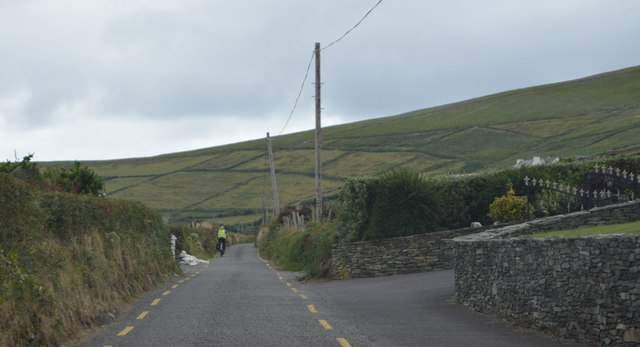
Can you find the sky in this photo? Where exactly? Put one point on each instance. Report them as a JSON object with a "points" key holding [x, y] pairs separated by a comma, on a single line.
{"points": [[103, 79]]}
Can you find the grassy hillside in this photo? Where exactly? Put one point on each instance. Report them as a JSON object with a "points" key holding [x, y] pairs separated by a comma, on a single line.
{"points": [[591, 116]]}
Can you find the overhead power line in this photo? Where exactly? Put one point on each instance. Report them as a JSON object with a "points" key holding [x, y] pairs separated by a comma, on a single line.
{"points": [[355, 26], [306, 74], [304, 80]]}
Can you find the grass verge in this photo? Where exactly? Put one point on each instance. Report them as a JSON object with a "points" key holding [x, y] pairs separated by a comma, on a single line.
{"points": [[626, 228], [307, 250]]}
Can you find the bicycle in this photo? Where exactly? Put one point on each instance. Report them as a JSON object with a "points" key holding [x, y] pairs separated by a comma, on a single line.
{"points": [[221, 246]]}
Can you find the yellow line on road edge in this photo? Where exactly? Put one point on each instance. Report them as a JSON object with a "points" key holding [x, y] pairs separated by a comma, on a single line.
{"points": [[289, 284], [142, 315], [303, 297], [166, 293], [312, 309], [125, 331], [155, 302], [294, 290], [343, 342], [325, 324], [174, 286]]}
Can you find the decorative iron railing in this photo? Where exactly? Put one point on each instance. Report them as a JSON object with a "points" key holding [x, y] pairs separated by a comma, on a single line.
{"points": [[603, 186]]}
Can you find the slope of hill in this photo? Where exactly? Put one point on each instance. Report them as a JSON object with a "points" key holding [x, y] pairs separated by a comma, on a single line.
{"points": [[591, 116]]}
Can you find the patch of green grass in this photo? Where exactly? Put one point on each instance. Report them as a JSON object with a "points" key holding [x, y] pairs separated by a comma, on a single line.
{"points": [[626, 228]]}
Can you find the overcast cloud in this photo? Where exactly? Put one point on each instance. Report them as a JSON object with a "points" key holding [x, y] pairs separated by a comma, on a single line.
{"points": [[105, 79]]}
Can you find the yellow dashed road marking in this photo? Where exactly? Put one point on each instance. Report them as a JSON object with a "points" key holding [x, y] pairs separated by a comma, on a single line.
{"points": [[294, 290], [142, 315], [303, 297], [343, 342], [180, 281], [166, 293], [174, 286], [155, 302], [312, 309], [125, 331], [325, 324], [289, 284]]}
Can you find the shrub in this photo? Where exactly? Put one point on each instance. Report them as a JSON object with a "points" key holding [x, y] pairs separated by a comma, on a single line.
{"points": [[71, 259], [307, 250], [397, 203], [354, 209], [511, 208], [79, 179], [199, 242], [20, 217], [404, 203]]}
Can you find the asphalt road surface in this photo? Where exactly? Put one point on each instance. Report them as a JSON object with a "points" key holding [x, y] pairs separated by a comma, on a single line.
{"points": [[241, 300]]}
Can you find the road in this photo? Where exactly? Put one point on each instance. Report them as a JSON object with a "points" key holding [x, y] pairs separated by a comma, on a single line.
{"points": [[241, 300]]}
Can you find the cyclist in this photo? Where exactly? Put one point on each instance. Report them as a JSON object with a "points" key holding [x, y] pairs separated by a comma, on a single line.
{"points": [[222, 239]]}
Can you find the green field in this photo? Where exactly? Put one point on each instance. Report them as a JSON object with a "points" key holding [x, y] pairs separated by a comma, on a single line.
{"points": [[592, 116], [626, 228]]}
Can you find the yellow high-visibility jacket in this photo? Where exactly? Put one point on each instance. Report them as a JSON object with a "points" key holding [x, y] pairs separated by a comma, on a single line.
{"points": [[222, 233]]}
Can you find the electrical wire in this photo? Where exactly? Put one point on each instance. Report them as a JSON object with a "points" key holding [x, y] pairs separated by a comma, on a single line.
{"points": [[306, 74], [355, 26]]}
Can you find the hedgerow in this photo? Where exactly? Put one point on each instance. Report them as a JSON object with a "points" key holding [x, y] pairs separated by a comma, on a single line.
{"points": [[307, 250], [369, 208], [69, 260]]}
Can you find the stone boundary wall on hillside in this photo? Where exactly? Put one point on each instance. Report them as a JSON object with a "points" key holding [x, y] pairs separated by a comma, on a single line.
{"points": [[400, 255], [582, 288]]}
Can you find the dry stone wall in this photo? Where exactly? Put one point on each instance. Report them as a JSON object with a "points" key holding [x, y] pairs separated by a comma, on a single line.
{"points": [[417, 253], [582, 288]]}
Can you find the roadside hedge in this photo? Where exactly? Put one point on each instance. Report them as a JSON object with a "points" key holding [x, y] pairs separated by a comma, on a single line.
{"points": [[69, 261], [452, 201]]}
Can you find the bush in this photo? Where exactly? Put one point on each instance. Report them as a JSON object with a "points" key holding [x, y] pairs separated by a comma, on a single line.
{"points": [[79, 179], [307, 250], [398, 203], [20, 217], [511, 208], [72, 259], [199, 242], [404, 203], [354, 209], [451, 192]]}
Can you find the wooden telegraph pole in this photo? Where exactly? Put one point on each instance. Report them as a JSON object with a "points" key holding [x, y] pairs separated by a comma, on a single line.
{"points": [[274, 186], [318, 210]]}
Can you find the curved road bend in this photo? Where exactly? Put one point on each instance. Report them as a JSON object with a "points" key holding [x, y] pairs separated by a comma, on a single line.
{"points": [[240, 300]]}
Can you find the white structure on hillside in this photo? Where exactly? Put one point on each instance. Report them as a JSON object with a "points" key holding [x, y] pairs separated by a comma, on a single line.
{"points": [[536, 161]]}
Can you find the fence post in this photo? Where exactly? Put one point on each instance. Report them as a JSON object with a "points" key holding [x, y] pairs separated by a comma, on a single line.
{"points": [[173, 246]]}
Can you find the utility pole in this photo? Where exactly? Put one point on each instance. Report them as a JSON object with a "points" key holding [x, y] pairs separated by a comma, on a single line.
{"points": [[318, 141], [264, 211], [274, 186]]}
